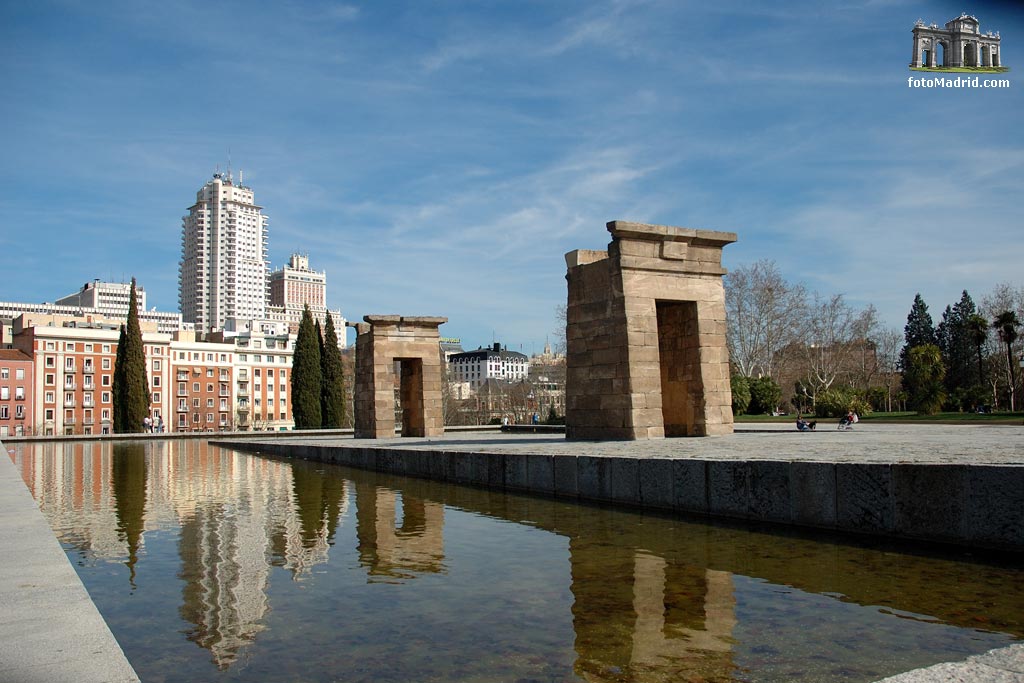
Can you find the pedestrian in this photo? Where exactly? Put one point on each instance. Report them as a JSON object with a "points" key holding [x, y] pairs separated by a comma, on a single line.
{"points": [[147, 424]]}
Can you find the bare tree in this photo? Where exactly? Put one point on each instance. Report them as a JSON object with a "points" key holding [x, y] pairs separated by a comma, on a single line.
{"points": [[888, 343], [765, 314], [835, 337], [559, 331]]}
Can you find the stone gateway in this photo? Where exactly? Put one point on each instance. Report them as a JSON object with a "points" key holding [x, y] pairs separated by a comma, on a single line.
{"points": [[960, 44], [645, 335], [412, 344]]}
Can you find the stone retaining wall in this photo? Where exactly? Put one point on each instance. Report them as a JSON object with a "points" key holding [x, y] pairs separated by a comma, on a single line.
{"points": [[971, 505]]}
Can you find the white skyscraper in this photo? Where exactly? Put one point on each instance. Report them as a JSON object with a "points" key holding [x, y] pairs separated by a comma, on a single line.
{"points": [[223, 270]]}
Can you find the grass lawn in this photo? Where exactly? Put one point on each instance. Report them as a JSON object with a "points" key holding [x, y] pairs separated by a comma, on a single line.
{"points": [[947, 418]]}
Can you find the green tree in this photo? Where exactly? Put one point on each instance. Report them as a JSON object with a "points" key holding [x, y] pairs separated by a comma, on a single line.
{"points": [[1006, 324], [923, 379], [131, 388], [740, 386], [918, 331], [977, 328], [955, 340], [765, 394], [307, 377], [332, 394]]}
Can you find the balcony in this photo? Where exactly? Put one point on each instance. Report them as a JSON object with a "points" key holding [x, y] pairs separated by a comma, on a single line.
{"points": [[70, 386], [69, 403], [69, 421]]}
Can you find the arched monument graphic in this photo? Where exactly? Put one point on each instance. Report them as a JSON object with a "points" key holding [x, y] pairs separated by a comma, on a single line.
{"points": [[960, 44], [645, 335]]}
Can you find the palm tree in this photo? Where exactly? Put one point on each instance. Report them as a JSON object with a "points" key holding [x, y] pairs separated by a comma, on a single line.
{"points": [[977, 328], [1006, 324]]}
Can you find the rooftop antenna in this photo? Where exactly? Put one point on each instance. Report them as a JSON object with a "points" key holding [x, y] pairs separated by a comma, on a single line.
{"points": [[240, 176], [229, 164]]}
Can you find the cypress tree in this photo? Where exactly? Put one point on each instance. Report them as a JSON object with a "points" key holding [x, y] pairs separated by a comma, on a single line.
{"points": [[306, 375], [131, 387], [117, 389], [333, 390]]}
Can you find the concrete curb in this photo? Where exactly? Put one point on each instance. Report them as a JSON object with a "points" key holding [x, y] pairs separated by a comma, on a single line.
{"points": [[51, 631]]}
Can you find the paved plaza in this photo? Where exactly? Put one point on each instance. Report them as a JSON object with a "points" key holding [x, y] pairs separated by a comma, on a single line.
{"points": [[865, 443]]}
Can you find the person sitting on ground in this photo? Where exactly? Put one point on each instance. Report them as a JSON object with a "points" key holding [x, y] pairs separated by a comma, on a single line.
{"points": [[848, 420], [803, 425]]}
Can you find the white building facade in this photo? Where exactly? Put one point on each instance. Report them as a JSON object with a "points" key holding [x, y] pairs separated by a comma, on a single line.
{"points": [[476, 367], [223, 268]]}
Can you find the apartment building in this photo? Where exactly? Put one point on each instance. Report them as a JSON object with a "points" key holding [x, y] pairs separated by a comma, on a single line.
{"points": [[223, 269], [73, 372], [16, 398], [295, 286], [195, 384], [477, 367]]}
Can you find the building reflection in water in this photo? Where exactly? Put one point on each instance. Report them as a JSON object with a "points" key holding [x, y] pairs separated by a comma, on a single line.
{"points": [[651, 600], [239, 516]]}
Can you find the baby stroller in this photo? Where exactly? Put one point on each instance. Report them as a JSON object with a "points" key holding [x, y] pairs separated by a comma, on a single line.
{"points": [[848, 421]]}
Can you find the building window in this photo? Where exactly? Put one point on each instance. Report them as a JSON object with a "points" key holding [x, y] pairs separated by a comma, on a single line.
{"points": [[88, 348], [5, 413], [105, 380], [209, 372], [106, 348], [105, 364], [195, 387], [51, 362], [49, 413], [49, 379], [156, 397], [19, 412], [105, 397], [156, 366], [5, 373], [71, 346]]}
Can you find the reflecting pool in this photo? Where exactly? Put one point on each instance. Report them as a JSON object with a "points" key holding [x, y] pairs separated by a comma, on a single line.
{"points": [[214, 565]]}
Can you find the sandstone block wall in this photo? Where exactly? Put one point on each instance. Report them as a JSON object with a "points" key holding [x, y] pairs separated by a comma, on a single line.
{"points": [[413, 344], [646, 335]]}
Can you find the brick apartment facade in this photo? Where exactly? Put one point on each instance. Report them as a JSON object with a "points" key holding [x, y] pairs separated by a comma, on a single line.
{"points": [[16, 396]]}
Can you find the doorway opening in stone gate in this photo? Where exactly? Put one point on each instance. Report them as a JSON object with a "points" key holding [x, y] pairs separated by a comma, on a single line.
{"points": [[411, 395], [970, 55], [682, 388], [941, 54]]}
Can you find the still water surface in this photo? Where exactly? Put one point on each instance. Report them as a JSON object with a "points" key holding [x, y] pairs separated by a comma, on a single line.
{"points": [[214, 565]]}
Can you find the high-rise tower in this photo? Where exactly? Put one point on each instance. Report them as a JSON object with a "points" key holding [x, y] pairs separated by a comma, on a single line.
{"points": [[223, 269]]}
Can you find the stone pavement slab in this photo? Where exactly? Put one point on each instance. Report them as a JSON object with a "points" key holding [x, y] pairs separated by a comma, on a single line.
{"points": [[866, 443], [50, 630], [1004, 665]]}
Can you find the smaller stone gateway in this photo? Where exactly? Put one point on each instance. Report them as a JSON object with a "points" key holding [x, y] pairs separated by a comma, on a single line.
{"points": [[645, 331], [413, 345]]}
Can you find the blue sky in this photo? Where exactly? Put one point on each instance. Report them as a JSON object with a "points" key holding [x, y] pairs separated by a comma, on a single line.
{"points": [[439, 158]]}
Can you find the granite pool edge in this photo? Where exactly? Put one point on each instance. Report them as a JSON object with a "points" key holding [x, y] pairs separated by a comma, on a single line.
{"points": [[52, 631], [980, 506]]}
